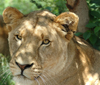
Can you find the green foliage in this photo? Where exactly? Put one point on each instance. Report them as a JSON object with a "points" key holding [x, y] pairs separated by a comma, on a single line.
{"points": [[78, 34], [5, 74], [55, 6], [90, 25], [94, 23], [92, 35], [87, 35], [26, 6]]}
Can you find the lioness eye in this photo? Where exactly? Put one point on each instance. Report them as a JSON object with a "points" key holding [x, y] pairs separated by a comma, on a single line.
{"points": [[18, 37], [46, 41]]}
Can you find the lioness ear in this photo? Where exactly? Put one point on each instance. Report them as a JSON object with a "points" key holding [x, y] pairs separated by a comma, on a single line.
{"points": [[11, 16], [69, 21]]}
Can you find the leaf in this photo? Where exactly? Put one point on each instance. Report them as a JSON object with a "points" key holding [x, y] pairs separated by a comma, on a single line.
{"points": [[78, 33], [93, 39], [86, 35], [91, 25], [96, 29], [96, 1], [49, 8], [98, 34], [95, 14]]}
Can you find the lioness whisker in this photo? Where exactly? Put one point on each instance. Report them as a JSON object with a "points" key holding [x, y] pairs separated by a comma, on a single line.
{"points": [[37, 81], [46, 78], [51, 77], [43, 80], [51, 71]]}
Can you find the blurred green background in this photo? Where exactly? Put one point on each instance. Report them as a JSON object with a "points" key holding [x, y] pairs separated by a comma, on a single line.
{"points": [[26, 6], [92, 35]]}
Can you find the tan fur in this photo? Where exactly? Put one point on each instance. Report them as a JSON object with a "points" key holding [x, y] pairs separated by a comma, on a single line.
{"points": [[65, 60], [4, 48]]}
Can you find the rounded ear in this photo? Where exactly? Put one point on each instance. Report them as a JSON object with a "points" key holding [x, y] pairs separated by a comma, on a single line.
{"points": [[11, 16], [69, 21]]}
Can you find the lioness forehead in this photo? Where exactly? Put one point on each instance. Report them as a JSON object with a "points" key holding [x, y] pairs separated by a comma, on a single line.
{"points": [[46, 14], [38, 22], [42, 18]]}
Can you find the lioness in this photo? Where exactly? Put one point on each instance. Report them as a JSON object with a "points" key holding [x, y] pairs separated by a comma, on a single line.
{"points": [[4, 48], [45, 51]]}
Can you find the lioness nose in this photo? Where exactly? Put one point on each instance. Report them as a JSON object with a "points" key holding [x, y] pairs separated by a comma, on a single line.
{"points": [[23, 67]]}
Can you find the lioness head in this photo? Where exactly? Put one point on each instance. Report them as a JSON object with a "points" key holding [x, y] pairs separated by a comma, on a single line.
{"points": [[38, 44]]}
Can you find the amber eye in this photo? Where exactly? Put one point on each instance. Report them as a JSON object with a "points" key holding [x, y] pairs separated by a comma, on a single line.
{"points": [[46, 41], [18, 37]]}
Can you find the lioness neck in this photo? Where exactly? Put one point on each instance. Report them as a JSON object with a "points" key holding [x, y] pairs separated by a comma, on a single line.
{"points": [[84, 68]]}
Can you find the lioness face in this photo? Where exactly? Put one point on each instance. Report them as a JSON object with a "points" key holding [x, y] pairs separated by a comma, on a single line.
{"points": [[37, 44], [39, 48]]}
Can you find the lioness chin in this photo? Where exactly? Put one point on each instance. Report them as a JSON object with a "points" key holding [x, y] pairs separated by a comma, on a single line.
{"points": [[45, 50]]}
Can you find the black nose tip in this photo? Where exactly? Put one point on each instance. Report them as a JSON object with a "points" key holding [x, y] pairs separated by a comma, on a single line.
{"points": [[23, 67]]}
